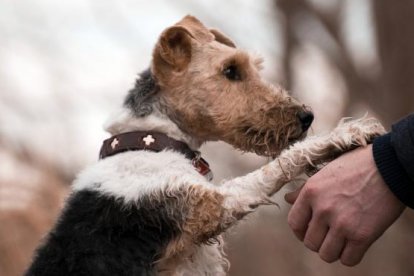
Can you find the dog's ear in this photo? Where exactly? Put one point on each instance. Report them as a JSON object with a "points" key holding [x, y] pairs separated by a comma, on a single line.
{"points": [[223, 39], [174, 48], [198, 31]]}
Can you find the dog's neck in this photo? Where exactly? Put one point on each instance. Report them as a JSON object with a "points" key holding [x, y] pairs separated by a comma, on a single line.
{"points": [[125, 121]]}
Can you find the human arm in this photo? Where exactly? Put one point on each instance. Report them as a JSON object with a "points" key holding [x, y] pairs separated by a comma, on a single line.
{"points": [[346, 206], [394, 156]]}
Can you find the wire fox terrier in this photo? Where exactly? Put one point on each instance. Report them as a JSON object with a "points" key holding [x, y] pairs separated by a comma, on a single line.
{"points": [[147, 207]]}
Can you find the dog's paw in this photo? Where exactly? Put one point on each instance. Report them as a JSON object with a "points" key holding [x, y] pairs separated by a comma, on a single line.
{"points": [[354, 133]]}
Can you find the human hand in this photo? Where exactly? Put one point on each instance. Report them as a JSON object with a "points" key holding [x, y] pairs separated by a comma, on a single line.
{"points": [[344, 208]]}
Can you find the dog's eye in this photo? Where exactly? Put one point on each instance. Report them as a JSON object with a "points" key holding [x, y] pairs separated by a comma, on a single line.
{"points": [[232, 73]]}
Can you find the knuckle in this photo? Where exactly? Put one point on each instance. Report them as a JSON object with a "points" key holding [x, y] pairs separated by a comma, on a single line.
{"points": [[294, 225], [311, 191], [342, 225], [350, 262], [310, 244], [327, 257], [360, 238], [324, 211], [359, 242]]}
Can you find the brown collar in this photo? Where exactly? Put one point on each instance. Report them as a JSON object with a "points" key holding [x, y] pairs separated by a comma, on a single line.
{"points": [[153, 141]]}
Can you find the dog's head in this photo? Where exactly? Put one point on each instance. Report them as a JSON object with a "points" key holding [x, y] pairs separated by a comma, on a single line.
{"points": [[213, 91]]}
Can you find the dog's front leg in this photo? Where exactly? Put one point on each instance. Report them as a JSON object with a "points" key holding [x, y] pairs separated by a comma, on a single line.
{"points": [[213, 210], [244, 194]]}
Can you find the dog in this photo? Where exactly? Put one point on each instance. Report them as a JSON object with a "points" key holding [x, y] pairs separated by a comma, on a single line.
{"points": [[148, 206]]}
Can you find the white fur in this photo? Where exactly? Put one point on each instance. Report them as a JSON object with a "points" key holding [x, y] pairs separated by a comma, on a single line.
{"points": [[204, 260], [132, 175]]}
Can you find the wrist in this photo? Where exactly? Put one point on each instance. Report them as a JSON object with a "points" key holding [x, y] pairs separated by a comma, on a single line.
{"points": [[392, 172]]}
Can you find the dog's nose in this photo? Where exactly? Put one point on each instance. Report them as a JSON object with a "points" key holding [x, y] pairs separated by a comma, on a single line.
{"points": [[305, 118]]}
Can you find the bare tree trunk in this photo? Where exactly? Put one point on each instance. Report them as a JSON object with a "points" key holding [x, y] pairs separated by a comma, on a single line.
{"points": [[391, 95], [395, 36], [289, 10]]}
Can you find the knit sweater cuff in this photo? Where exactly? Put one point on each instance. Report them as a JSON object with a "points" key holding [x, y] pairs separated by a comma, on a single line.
{"points": [[392, 171]]}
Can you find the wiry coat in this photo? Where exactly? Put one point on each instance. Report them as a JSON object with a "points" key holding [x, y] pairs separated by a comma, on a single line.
{"points": [[147, 213], [127, 211]]}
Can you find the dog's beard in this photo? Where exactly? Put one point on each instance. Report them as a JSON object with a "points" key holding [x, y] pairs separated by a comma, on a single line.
{"points": [[267, 142]]}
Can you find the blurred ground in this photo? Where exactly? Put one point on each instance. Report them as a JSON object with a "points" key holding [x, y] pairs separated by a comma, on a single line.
{"points": [[65, 66]]}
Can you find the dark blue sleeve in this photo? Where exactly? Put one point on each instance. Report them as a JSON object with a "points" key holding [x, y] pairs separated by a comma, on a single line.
{"points": [[394, 157]]}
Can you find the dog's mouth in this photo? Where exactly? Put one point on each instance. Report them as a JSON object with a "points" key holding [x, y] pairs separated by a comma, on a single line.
{"points": [[268, 142], [290, 142], [293, 140]]}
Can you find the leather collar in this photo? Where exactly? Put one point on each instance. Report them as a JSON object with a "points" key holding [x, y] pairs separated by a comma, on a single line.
{"points": [[153, 141]]}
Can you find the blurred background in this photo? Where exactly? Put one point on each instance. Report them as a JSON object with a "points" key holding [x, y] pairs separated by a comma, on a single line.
{"points": [[65, 66]]}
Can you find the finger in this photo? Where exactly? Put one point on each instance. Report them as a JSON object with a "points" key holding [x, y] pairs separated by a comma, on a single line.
{"points": [[299, 217], [332, 247], [353, 253], [315, 235], [292, 196]]}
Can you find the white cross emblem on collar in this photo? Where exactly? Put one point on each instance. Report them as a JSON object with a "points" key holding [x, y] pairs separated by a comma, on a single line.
{"points": [[114, 143], [148, 140]]}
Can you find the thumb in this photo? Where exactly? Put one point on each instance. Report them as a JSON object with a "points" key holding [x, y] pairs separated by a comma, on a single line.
{"points": [[292, 196]]}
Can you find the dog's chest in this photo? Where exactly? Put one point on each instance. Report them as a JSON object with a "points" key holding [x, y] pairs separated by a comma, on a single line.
{"points": [[198, 260]]}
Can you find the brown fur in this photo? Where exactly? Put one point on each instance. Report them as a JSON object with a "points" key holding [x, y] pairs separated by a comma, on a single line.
{"points": [[188, 63], [202, 222], [220, 37]]}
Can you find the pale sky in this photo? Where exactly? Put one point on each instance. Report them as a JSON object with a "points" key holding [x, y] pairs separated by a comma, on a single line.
{"points": [[65, 66]]}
